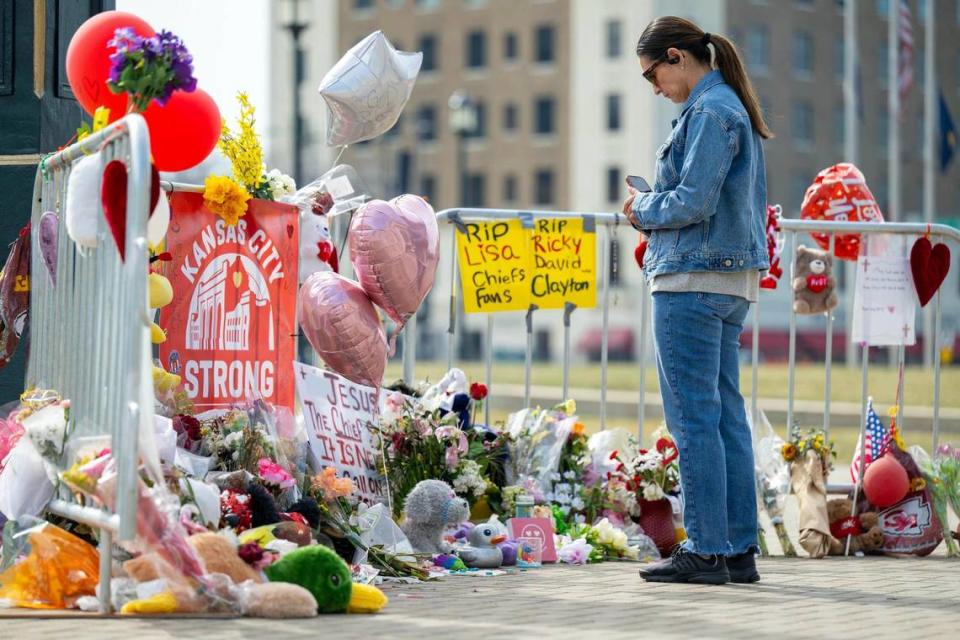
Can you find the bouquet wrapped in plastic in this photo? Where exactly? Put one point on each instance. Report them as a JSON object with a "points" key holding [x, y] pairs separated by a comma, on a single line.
{"points": [[773, 479], [538, 438], [939, 473]]}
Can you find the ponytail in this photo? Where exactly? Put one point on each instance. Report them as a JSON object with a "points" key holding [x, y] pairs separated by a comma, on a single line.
{"points": [[734, 74], [670, 31]]}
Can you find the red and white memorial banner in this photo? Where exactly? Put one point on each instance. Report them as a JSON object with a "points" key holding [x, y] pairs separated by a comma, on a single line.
{"points": [[232, 323]]}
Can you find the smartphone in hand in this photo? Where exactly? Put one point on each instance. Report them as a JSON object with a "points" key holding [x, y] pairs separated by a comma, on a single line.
{"points": [[638, 183]]}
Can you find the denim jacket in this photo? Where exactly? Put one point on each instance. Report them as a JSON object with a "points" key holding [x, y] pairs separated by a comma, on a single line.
{"points": [[707, 211]]}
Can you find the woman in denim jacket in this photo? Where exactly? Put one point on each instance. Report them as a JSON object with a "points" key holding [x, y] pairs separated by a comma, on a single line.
{"points": [[705, 223]]}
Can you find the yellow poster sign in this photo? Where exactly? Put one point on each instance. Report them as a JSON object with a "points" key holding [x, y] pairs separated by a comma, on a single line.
{"points": [[565, 264], [507, 266], [495, 266]]}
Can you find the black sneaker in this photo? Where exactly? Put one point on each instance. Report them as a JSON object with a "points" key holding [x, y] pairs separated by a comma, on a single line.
{"points": [[663, 567], [685, 566], [743, 568]]}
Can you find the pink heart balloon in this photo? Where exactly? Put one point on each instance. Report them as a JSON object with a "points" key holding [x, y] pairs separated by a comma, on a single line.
{"points": [[394, 248], [343, 327]]}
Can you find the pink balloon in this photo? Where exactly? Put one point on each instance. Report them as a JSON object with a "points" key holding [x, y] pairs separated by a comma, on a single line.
{"points": [[343, 327], [394, 248]]}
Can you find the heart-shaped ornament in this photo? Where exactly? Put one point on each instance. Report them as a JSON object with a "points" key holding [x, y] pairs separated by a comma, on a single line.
{"points": [[49, 241], [929, 265], [113, 195], [639, 251]]}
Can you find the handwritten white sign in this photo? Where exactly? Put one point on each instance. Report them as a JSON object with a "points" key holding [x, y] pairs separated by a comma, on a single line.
{"points": [[884, 303], [337, 414]]}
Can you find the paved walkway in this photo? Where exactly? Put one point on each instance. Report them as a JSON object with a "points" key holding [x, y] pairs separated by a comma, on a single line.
{"points": [[797, 598]]}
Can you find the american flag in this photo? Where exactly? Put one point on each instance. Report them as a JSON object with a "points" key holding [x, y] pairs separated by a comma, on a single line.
{"points": [[874, 438], [905, 54]]}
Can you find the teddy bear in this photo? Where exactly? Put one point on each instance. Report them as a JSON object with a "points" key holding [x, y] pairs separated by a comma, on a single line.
{"points": [[865, 529], [428, 509], [814, 288]]}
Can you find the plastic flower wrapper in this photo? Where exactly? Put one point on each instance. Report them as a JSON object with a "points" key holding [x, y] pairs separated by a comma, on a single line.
{"points": [[947, 457], [58, 569], [538, 440], [773, 477], [935, 476]]}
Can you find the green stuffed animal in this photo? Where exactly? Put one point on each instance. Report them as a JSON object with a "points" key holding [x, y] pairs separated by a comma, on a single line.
{"points": [[321, 572]]}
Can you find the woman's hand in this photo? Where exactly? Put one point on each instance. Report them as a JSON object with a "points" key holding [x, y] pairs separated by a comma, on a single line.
{"points": [[628, 207]]}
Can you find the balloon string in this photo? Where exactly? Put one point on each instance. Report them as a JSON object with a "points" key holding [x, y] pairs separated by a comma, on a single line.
{"points": [[340, 155]]}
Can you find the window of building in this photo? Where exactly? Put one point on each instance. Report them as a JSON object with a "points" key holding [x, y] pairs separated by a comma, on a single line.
{"points": [[801, 180], [544, 109], [543, 186], [428, 45], [614, 38], [510, 48], [883, 8], [839, 126], [428, 187], [922, 10], [883, 66], [510, 188], [839, 56], [395, 4], [480, 110], [396, 129], [476, 53], [427, 123], [758, 48], [544, 39], [510, 117], [613, 112], [614, 186], [361, 5], [476, 195], [427, 4], [802, 52], [803, 122], [803, 4]]}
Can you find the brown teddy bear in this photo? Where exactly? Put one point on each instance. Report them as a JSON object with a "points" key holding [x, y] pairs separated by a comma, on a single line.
{"points": [[814, 288], [865, 528]]}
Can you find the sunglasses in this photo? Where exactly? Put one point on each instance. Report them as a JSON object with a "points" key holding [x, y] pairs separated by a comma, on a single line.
{"points": [[650, 73]]}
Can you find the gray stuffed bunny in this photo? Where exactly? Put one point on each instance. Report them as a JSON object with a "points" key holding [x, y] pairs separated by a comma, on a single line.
{"points": [[429, 508]]}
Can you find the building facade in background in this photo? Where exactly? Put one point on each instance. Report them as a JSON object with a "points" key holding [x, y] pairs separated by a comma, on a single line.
{"points": [[562, 114]]}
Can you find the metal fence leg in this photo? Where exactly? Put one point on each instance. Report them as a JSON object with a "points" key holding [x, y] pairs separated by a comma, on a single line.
{"points": [[792, 360], [452, 326], [755, 366], [528, 360], [936, 371], [645, 304], [488, 355], [828, 361], [604, 336], [864, 374], [105, 549], [409, 349], [568, 309]]}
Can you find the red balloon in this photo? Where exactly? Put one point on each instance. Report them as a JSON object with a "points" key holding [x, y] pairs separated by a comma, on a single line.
{"points": [[885, 482], [185, 131], [840, 193], [88, 60]]}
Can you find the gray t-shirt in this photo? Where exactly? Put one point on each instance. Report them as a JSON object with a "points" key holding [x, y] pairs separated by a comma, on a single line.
{"points": [[743, 284]]}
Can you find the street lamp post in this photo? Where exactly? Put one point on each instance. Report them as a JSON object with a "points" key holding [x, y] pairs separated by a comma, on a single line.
{"points": [[463, 122], [296, 27]]}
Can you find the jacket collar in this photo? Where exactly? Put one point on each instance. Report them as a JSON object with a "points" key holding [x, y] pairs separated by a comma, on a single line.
{"points": [[710, 80]]}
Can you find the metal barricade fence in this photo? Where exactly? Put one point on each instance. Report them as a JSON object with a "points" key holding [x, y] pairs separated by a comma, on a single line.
{"points": [[89, 336], [791, 228]]}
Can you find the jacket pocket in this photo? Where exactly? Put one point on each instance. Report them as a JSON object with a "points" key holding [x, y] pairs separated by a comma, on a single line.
{"points": [[666, 172]]}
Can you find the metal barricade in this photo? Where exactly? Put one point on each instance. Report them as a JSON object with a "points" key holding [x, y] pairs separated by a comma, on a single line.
{"points": [[89, 337], [611, 221]]}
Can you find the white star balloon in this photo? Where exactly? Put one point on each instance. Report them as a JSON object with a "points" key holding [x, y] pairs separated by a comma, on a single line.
{"points": [[367, 89]]}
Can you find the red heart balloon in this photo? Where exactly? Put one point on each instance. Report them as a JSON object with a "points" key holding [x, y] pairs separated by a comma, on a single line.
{"points": [[113, 196], [840, 193], [929, 265], [639, 252]]}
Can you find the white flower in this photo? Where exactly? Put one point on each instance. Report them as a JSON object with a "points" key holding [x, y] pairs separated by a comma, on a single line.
{"points": [[632, 553], [577, 552], [652, 492], [555, 476], [578, 504], [233, 439], [605, 531], [569, 475]]}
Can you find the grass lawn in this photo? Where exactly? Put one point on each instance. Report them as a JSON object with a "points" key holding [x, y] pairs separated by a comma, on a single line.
{"points": [[845, 386], [845, 381]]}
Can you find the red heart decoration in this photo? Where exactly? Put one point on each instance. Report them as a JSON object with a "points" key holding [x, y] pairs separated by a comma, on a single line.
{"points": [[113, 195], [639, 251], [930, 265]]}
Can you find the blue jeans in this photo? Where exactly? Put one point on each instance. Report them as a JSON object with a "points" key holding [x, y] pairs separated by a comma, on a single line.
{"points": [[697, 339]]}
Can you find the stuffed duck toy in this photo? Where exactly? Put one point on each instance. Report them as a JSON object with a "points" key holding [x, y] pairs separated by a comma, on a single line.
{"points": [[483, 552]]}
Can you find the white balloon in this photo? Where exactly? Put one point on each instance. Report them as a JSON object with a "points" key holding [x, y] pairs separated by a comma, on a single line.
{"points": [[367, 89], [159, 221]]}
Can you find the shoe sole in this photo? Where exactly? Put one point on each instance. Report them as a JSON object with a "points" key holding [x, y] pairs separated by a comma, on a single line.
{"points": [[745, 579], [696, 578]]}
